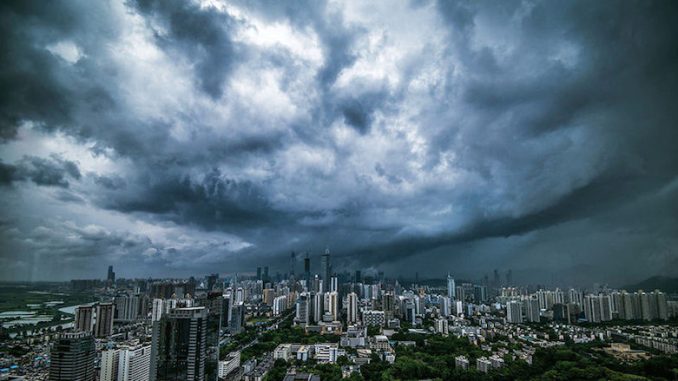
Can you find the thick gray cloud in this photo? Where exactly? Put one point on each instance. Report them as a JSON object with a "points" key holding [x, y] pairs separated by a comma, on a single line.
{"points": [[186, 137]]}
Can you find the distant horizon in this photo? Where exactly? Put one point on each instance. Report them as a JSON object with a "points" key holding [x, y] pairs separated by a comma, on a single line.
{"points": [[400, 277]]}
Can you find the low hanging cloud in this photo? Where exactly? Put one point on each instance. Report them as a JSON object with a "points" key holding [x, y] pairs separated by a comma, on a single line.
{"points": [[411, 136]]}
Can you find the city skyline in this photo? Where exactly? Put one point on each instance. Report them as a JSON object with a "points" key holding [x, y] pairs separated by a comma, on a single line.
{"points": [[415, 138]]}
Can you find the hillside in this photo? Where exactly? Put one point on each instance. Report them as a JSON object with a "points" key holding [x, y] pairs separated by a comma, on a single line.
{"points": [[663, 283]]}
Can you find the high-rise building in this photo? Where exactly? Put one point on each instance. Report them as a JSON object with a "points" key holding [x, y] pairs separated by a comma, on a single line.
{"points": [[110, 276], [409, 311], [533, 310], [179, 345], [479, 293], [358, 277], [445, 305], [135, 364], [388, 305], [269, 295], [334, 284], [259, 273], [597, 308], [212, 281], [662, 305], [293, 263], [216, 322], [279, 305], [103, 323], [561, 313], [514, 312], [84, 317], [333, 308], [575, 297], [109, 365], [352, 308], [442, 326], [226, 313], [318, 307], [130, 308], [237, 321], [158, 309], [307, 268], [451, 289], [72, 357], [458, 307], [325, 266], [240, 295], [302, 310]]}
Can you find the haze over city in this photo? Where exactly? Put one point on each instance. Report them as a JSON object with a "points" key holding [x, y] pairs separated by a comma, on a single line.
{"points": [[173, 138]]}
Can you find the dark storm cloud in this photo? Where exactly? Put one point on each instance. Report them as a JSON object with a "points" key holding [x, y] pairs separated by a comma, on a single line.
{"points": [[429, 130], [199, 35], [35, 84], [212, 202], [51, 172]]}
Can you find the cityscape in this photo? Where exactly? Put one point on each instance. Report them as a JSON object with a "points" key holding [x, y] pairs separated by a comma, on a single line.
{"points": [[324, 190], [304, 325]]}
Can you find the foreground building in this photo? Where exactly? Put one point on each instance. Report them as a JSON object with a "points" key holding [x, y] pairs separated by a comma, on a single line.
{"points": [[72, 358], [179, 345]]}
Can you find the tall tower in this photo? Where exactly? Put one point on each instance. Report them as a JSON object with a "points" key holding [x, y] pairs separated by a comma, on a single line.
{"points": [[72, 358], [293, 262], [325, 266], [180, 345], [103, 326], [84, 315], [352, 312], [307, 269], [451, 289], [111, 275], [333, 301]]}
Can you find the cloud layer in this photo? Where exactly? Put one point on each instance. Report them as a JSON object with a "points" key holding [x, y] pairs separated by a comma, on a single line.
{"points": [[178, 138]]}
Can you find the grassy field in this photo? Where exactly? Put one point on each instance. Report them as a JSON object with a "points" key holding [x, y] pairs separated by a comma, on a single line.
{"points": [[17, 296]]}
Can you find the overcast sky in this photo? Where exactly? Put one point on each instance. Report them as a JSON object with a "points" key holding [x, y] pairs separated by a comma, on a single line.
{"points": [[176, 138]]}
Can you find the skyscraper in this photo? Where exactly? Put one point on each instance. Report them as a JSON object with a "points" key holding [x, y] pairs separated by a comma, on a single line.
{"points": [[333, 307], [318, 307], [293, 262], [84, 315], [134, 363], [72, 357], [451, 289], [110, 276], [302, 310], [212, 281], [388, 305], [445, 305], [325, 266], [179, 345], [307, 268], [352, 311], [237, 321], [514, 312], [109, 365], [533, 310], [103, 323]]}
